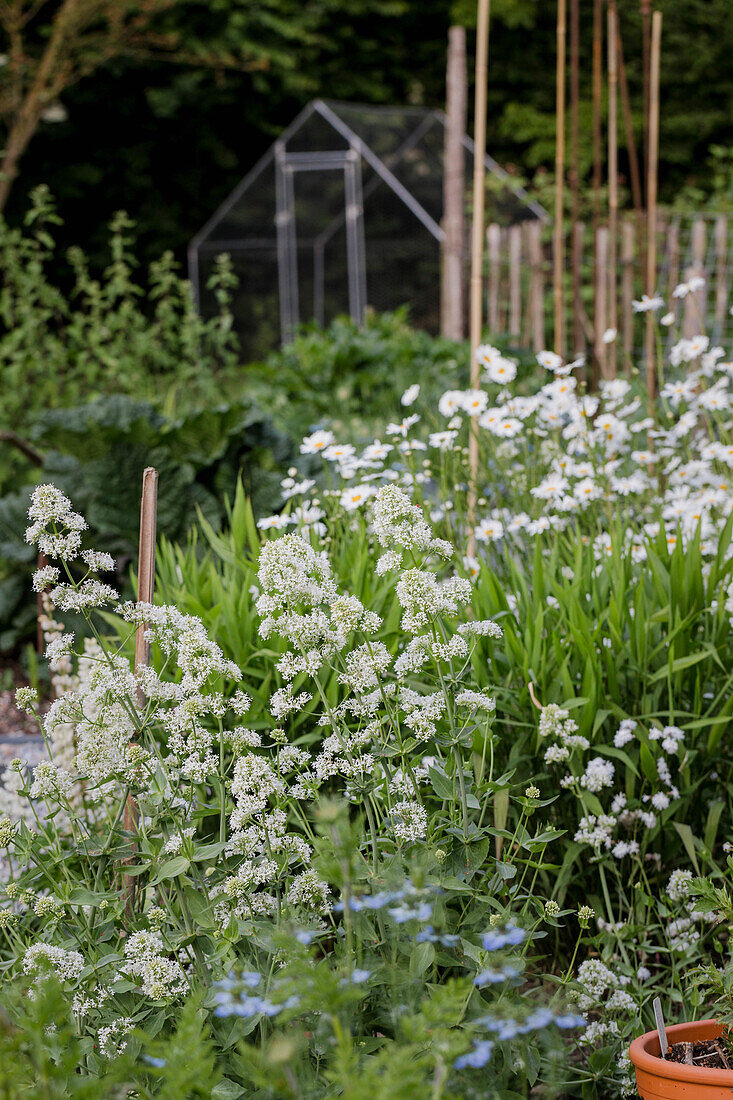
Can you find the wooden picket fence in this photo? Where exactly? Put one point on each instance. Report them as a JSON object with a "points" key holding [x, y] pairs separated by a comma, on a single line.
{"points": [[519, 283]]}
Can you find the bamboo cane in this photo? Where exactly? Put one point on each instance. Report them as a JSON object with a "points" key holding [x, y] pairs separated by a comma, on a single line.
{"points": [[646, 7], [600, 319], [558, 258], [651, 190], [627, 291], [579, 341], [574, 174], [145, 582], [721, 290], [623, 84], [451, 317], [477, 249], [515, 284], [597, 99], [610, 360]]}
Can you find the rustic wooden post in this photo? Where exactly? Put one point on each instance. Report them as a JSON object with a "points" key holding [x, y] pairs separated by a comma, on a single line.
{"points": [[536, 286], [145, 582], [493, 239], [557, 259], [693, 314], [578, 326], [515, 280], [610, 357], [627, 290], [600, 322], [454, 187], [477, 250], [721, 282], [699, 252], [653, 158]]}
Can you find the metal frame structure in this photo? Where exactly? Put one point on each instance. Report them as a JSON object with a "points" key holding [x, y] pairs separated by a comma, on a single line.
{"points": [[289, 165]]}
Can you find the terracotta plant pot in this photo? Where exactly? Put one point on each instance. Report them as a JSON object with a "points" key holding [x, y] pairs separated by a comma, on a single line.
{"points": [[660, 1080]]}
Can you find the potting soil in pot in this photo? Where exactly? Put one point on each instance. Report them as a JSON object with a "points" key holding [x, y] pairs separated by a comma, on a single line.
{"points": [[708, 1054]]}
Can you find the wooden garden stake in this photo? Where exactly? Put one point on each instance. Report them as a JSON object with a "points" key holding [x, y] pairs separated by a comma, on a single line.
{"points": [[493, 243], [646, 7], [515, 281], [557, 288], [623, 85], [651, 195], [145, 581], [673, 252], [627, 290], [597, 98], [577, 261], [695, 304], [612, 187], [721, 288], [600, 320], [574, 175], [477, 249], [454, 186], [536, 285]]}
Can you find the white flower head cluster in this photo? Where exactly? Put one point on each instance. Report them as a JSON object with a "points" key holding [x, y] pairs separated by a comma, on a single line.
{"points": [[55, 528], [161, 978], [41, 958], [410, 821], [423, 597], [399, 524], [678, 887], [556, 723], [598, 774]]}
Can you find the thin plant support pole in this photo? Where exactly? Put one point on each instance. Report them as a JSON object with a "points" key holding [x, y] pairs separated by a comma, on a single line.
{"points": [[721, 289], [634, 175], [597, 102], [515, 285], [145, 582], [627, 291], [558, 258], [477, 250], [646, 7], [600, 319], [493, 241], [612, 187], [651, 190], [536, 287], [454, 187], [579, 340], [574, 174]]}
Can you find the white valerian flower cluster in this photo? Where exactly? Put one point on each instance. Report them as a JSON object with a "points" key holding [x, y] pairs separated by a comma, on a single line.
{"points": [[160, 977], [41, 958], [327, 629], [684, 932], [55, 528]]}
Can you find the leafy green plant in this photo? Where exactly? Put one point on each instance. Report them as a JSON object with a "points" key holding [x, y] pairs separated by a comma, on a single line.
{"points": [[103, 335]]}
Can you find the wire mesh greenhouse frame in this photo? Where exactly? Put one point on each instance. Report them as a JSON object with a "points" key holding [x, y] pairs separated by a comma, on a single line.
{"points": [[342, 214]]}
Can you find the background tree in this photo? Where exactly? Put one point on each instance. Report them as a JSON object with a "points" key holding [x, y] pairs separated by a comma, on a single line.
{"points": [[168, 141]]}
